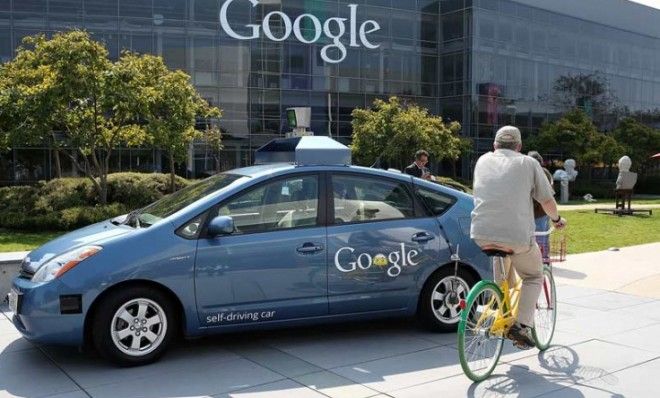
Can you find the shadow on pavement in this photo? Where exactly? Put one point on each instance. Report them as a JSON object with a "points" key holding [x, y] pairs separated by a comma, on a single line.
{"points": [[357, 358]]}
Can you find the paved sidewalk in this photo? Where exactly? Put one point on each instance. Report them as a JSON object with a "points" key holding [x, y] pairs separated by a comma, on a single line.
{"points": [[634, 270], [605, 345]]}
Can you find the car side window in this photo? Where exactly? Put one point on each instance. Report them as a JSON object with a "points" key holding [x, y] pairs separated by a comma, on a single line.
{"points": [[436, 202], [364, 199], [281, 204]]}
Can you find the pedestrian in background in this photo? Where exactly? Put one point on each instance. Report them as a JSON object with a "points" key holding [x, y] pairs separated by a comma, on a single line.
{"points": [[418, 167], [540, 218]]}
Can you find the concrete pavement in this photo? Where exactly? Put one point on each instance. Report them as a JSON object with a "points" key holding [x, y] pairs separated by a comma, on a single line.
{"points": [[634, 270], [606, 345]]}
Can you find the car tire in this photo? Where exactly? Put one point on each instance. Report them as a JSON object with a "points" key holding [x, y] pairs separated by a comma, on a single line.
{"points": [[434, 310], [134, 326]]}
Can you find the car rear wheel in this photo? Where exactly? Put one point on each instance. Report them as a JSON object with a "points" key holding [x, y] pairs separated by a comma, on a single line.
{"points": [[439, 303], [134, 326]]}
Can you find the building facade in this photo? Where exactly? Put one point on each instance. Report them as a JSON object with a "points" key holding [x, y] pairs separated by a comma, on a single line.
{"points": [[483, 63]]}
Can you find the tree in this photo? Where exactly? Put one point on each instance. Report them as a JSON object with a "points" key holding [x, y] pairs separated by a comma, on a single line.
{"points": [[172, 109], [573, 135], [68, 84], [576, 136], [67, 87], [213, 139], [639, 141], [393, 131]]}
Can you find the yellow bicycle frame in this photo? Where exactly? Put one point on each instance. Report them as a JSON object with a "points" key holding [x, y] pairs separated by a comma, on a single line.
{"points": [[506, 316]]}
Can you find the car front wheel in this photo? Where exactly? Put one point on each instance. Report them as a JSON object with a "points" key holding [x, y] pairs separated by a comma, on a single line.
{"points": [[133, 326], [439, 303]]}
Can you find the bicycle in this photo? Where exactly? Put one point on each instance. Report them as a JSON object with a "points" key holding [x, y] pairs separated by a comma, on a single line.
{"points": [[491, 309]]}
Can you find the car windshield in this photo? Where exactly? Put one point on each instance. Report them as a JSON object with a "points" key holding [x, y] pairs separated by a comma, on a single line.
{"points": [[170, 204]]}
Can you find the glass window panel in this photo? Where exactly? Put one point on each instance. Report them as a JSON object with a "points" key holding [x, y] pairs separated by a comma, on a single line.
{"points": [[170, 9], [297, 58], [30, 5], [204, 54], [5, 45], [364, 199], [429, 6], [101, 7], [174, 51], [486, 27], [282, 204], [65, 6], [435, 202], [206, 10], [30, 165], [135, 8], [429, 28], [450, 5], [452, 26]]}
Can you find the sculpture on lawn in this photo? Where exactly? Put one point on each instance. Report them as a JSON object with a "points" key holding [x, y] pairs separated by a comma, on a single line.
{"points": [[627, 179], [569, 174]]}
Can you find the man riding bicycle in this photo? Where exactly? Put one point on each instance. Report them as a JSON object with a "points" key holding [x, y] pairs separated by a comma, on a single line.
{"points": [[505, 182]]}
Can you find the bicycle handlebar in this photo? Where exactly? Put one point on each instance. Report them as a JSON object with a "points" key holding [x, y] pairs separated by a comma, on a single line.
{"points": [[546, 233]]}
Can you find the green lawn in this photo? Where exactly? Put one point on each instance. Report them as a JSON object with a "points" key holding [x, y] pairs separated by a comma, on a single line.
{"points": [[588, 232], [11, 241], [607, 202]]}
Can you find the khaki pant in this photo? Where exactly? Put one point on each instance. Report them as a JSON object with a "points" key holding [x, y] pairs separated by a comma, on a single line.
{"points": [[526, 260]]}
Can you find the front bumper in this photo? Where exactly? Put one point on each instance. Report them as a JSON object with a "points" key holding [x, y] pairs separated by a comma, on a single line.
{"points": [[39, 316]]}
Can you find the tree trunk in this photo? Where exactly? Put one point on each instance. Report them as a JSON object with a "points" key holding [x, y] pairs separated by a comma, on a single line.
{"points": [[172, 174], [104, 189], [58, 163], [103, 178]]}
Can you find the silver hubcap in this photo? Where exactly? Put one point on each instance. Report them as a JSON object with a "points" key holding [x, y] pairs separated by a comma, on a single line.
{"points": [[444, 308], [138, 327]]}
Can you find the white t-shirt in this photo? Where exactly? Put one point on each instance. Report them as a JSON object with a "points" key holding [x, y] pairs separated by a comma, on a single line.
{"points": [[505, 182]]}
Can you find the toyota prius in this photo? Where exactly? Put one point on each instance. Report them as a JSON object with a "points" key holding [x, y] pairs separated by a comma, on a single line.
{"points": [[302, 237]]}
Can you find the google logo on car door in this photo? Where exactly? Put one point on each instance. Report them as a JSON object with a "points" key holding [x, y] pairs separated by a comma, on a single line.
{"points": [[333, 28]]}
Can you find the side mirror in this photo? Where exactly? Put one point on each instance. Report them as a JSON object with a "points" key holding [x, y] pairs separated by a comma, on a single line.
{"points": [[221, 225]]}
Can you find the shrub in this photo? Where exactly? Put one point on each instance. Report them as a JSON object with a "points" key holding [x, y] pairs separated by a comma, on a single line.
{"points": [[62, 193], [68, 203], [17, 199], [139, 189], [81, 216]]}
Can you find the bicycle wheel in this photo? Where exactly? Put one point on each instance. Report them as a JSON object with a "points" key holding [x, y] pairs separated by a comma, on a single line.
{"points": [[546, 312], [478, 349]]}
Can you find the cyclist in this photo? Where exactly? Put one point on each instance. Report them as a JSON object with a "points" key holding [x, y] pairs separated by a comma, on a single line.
{"points": [[505, 182]]}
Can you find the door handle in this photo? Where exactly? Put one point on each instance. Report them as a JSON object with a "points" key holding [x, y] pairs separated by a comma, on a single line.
{"points": [[309, 248], [422, 237]]}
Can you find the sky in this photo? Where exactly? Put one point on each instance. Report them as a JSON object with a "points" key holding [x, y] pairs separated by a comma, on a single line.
{"points": [[650, 3]]}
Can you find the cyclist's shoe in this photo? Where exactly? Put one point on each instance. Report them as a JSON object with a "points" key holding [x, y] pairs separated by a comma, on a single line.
{"points": [[521, 336]]}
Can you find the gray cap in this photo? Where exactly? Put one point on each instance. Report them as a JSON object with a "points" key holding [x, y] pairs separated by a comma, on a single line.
{"points": [[536, 156], [508, 134]]}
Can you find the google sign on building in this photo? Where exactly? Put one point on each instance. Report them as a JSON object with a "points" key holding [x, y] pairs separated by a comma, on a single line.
{"points": [[333, 28]]}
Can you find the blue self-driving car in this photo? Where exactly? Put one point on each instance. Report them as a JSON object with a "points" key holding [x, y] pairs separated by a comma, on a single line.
{"points": [[302, 237]]}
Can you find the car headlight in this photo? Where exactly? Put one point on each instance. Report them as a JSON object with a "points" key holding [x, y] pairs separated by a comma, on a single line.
{"points": [[57, 266]]}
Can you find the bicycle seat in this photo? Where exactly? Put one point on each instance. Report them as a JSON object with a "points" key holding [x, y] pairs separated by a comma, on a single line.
{"points": [[497, 252]]}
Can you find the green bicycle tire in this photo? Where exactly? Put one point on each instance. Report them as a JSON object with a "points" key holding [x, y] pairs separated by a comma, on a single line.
{"points": [[472, 296], [540, 345]]}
